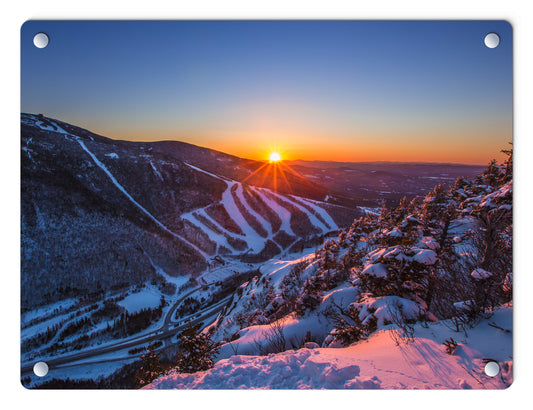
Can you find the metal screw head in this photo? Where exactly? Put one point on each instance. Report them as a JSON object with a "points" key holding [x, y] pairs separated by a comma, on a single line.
{"points": [[40, 40], [492, 40], [40, 369], [492, 369]]}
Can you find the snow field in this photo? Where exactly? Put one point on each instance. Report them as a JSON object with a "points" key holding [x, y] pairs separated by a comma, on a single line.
{"points": [[137, 301], [374, 363], [47, 310], [302, 369]]}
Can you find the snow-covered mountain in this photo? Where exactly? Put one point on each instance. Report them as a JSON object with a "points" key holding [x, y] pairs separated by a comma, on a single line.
{"points": [[137, 206]]}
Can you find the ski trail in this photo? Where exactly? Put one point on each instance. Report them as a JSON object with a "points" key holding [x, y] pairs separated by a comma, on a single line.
{"points": [[123, 190], [209, 173], [191, 217], [239, 192], [213, 235], [283, 213], [217, 224], [156, 171], [253, 240], [251, 237], [321, 211], [312, 218]]}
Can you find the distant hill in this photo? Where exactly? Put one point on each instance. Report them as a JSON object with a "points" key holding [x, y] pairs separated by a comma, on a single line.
{"points": [[369, 183]]}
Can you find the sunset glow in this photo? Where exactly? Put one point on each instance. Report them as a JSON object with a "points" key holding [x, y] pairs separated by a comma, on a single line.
{"points": [[274, 157], [307, 87]]}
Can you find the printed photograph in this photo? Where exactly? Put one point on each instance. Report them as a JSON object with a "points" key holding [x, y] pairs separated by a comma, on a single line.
{"points": [[266, 205]]}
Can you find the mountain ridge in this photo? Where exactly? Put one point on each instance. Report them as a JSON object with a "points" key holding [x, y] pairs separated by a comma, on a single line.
{"points": [[160, 204]]}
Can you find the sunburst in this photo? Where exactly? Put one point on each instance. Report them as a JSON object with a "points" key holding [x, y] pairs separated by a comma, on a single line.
{"points": [[275, 170], [274, 157]]}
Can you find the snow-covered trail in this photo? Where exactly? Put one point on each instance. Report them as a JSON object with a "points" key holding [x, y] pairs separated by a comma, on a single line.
{"points": [[218, 238], [252, 238], [266, 225], [156, 171], [254, 241], [207, 173], [314, 220], [123, 190], [283, 213], [320, 211]]}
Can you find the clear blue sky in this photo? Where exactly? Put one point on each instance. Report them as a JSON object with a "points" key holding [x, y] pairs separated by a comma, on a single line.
{"points": [[415, 91]]}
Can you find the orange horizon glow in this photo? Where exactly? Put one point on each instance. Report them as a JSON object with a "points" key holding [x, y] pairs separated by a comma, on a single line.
{"points": [[453, 150], [465, 145]]}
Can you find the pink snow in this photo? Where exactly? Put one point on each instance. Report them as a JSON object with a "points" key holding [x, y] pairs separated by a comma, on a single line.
{"points": [[430, 242], [384, 253], [376, 363], [385, 307], [481, 274]]}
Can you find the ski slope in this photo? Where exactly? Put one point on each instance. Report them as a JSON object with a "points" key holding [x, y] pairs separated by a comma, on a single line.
{"points": [[255, 242]]}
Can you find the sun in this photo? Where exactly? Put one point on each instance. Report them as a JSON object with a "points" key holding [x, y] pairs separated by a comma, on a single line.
{"points": [[274, 157]]}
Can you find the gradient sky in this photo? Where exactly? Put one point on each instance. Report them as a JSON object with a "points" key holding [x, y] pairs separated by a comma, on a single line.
{"points": [[315, 90]]}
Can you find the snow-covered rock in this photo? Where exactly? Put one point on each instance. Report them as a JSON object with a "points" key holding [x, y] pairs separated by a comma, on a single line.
{"points": [[384, 253], [425, 257], [311, 345], [463, 305], [481, 274], [378, 270], [430, 242], [385, 307], [395, 233]]}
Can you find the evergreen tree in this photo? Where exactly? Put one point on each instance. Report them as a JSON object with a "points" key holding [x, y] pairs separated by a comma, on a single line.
{"points": [[384, 216], [309, 297], [150, 369], [400, 212], [349, 327], [405, 277], [508, 163], [197, 351], [492, 174]]}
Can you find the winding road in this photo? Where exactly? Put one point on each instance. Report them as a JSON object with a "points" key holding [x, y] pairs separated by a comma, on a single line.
{"points": [[167, 330]]}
